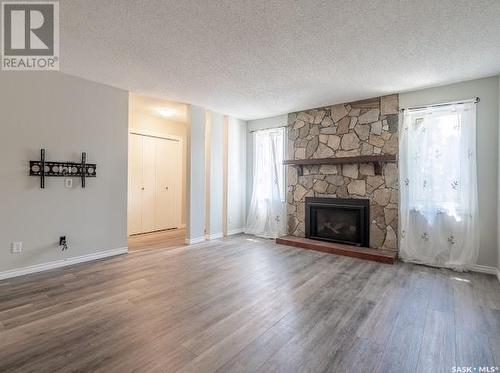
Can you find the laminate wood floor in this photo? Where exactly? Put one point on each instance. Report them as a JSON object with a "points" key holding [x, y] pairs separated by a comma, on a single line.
{"points": [[171, 238], [247, 305]]}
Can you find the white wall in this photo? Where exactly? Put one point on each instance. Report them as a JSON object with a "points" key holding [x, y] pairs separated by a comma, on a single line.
{"points": [[216, 175], [65, 115], [254, 125], [144, 117], [195, 203], [215, 226], [236, 175], [487, 149]]}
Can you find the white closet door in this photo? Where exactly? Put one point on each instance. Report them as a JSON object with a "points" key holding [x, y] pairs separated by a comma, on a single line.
{"points": [[135, 185], [148, 183], [176, 182], [167, 184]]}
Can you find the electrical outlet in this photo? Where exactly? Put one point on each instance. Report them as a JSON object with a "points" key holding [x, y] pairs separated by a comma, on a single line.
{"points": [[16, 247], [68, 183], [63, 244]]}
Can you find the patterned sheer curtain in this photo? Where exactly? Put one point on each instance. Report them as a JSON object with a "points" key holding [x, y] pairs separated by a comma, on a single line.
{"points": [[266, 216], [438, 177]]}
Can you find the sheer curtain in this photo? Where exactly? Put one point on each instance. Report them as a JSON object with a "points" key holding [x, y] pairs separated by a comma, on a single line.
{"points": [[438, 182], [266, 217]]}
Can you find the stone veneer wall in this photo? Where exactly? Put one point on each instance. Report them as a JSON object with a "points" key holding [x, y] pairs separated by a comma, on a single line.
{"points": [[359, 128]]}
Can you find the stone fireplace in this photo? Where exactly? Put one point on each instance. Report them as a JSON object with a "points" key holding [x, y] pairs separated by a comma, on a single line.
{"points": [[357, 129]]}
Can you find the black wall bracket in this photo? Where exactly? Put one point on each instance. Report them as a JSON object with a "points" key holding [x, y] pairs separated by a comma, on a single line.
{"points": [[43, 168]]}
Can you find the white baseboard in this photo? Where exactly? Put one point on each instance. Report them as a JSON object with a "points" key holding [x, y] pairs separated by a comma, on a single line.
{"points": [[235, 231], [483, 269], [61, 263], [192, 241], [214, 236]]}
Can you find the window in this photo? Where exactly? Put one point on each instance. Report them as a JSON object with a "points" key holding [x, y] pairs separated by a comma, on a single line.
{"points": [[435, 164], [268, 158], [267, 212], [438, 191]]}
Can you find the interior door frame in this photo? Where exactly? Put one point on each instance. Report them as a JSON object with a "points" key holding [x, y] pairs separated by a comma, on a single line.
{"points": [[165, 136], [161, 135]]}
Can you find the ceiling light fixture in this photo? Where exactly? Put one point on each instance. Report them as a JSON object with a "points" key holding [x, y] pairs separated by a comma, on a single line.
{"points": [[164, 112]]}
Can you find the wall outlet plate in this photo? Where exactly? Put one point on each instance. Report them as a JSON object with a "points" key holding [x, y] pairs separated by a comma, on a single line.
{"points": [[68, 183], [16, 247]]}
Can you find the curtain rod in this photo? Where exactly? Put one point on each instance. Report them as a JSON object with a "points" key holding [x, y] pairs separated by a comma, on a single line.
{"points": [[473, 100], [268, 128]]}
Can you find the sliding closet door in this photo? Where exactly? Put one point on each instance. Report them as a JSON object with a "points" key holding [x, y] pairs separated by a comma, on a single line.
{"points": [[148, 183], [175, 182], [167, 183], [154, 201], [135, 185]]}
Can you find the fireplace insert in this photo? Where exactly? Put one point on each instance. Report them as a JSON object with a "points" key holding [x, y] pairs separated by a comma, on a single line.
{"points": [[342, 220]]}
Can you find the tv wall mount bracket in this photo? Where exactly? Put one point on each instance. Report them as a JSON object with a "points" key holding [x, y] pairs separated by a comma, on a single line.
{"points": [[43, 168]]}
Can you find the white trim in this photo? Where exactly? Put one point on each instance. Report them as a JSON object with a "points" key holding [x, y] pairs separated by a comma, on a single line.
{"points": [[192, 241], [61, 263], [498, 275], [483, 269], [214, 236], [162, 135], [235, 231], [225, 173]]}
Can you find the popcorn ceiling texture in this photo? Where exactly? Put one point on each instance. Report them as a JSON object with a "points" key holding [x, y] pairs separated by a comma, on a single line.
{"points": [[246, 58], [359, 128]]}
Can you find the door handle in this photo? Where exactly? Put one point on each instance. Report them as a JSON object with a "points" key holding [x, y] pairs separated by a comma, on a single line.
{"points": [[166, 188], [142, 188]]}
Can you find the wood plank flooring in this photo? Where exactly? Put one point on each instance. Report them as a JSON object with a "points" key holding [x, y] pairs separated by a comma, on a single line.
{"points": [[245, 304], [158, 240]]}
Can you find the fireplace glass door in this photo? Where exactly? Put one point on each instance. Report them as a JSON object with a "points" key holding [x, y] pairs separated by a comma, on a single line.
{"points": [[342, 225], [338, 220]]}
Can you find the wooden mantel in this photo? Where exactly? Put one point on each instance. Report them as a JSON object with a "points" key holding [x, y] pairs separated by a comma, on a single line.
{"points": [[377, 161]]}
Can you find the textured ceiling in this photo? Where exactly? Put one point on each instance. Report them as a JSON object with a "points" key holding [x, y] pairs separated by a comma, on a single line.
{"points": [[258, 58]]}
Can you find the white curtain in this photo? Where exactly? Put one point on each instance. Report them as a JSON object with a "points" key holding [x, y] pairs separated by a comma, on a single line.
{"points": [[438, 181], [266, 216]]}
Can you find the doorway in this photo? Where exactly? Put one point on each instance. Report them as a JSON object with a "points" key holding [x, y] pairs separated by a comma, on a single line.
{"points": [[154, 184], [156, 173]]}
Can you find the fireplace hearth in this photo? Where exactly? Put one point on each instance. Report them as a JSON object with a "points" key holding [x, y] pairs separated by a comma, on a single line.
{"points": [[341, 220]]}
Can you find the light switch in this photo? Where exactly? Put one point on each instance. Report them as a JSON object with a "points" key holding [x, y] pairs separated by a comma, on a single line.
{"points": [[68, 183]]}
